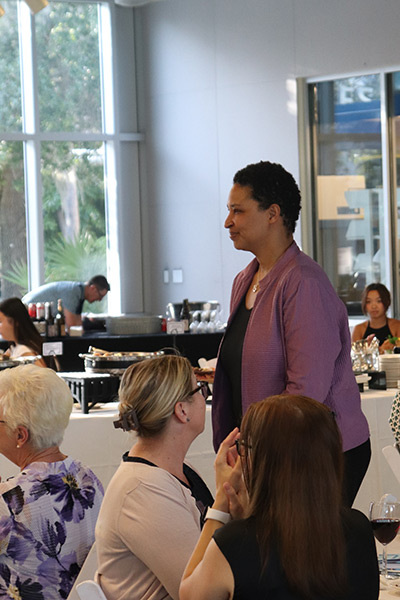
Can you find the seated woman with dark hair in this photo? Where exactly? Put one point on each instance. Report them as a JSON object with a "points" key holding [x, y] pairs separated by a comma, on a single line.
{"points": [[154, 505], [375, 301], [49, 510], [296, 540], [16, 327]]}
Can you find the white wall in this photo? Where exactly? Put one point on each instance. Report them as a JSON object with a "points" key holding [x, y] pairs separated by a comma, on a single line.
{"points": [[219, 93]]}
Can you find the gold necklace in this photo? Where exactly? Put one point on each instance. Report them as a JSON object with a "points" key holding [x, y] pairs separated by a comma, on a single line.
{"points": [[256, 286]]}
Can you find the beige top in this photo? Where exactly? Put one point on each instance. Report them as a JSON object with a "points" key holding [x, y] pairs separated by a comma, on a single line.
{"points": [[147, 529]]}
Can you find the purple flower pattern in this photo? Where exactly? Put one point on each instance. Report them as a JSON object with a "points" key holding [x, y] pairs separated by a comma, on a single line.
{"points": [[47, 519]]}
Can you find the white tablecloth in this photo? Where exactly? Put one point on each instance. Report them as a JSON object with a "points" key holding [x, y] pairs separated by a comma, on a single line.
{"points": [[389, 589], [379, 479]]}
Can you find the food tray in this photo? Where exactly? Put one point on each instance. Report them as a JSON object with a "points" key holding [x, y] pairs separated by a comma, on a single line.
{"points": [[114, 363], [90, 388]]}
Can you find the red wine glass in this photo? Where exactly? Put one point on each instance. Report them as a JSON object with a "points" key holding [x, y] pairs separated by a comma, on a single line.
{"points": [[385, 520]]}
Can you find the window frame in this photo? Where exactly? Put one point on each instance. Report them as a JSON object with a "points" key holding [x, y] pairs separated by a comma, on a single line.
{"points": [[308, 167], [120, 147]]}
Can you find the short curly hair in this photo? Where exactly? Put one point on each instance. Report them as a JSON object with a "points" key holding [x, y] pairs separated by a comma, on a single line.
{"points": [[272, 184]]}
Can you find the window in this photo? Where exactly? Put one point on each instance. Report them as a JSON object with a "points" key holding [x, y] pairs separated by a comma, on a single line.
{"points": [[60, 149], [353, 187]]}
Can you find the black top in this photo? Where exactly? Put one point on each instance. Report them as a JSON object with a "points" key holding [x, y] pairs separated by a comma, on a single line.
{"points": [[382, 333], [230, 356], [237, 541], [197, 486]]}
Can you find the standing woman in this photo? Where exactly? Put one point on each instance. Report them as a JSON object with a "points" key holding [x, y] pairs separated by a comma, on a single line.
{"points": [[288, 331], [296, 541], [155, 504], [375, 301], [16, 327]]}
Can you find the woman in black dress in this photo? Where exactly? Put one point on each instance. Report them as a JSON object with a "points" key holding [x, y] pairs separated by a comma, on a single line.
{"points": [[296, 539], [375, 302]]}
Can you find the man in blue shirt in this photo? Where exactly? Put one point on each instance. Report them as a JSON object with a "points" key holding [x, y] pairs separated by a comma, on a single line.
{"points": [[72, 293]]}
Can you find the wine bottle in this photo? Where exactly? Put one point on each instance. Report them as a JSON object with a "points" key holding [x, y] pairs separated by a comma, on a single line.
{"points": [[40, 319], [185, 315], [60, 319], [51, 325]]}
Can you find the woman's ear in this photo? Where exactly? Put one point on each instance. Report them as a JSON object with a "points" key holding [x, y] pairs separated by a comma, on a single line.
{"points": [[274, 212], [22, 434], [180, 412]]}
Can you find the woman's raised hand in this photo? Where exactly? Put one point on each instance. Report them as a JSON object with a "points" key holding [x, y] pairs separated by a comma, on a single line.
{"points": [[236, 492], [224, 464]]}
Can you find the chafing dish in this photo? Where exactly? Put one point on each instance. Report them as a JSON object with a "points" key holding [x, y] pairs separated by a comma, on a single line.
{"points": [[102, 361]]}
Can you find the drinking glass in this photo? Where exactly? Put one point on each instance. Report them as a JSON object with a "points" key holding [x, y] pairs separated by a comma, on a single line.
{"points": [[385, 520]]}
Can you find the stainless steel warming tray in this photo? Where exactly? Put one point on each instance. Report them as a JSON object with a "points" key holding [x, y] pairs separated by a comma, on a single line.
{"points": [[102, 361]]}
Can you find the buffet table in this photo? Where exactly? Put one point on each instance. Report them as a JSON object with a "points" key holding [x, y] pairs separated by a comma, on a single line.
{"points": [[193, 346], [92, 439]]}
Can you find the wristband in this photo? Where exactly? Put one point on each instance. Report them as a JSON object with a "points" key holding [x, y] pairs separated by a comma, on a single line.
{"points": [[218, 515]]}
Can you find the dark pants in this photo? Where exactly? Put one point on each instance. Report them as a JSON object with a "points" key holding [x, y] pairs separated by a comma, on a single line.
{"points": [[356, 463]]}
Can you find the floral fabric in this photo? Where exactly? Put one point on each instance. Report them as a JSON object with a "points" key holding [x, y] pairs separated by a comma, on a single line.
{"points": [[47, 519]]}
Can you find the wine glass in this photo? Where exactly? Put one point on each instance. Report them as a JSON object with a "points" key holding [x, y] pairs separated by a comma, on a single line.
{"points": [[385, 520]]}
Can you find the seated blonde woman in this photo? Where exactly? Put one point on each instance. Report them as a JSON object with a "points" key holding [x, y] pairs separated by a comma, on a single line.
{"points": [[154, 505], [49, 510]]}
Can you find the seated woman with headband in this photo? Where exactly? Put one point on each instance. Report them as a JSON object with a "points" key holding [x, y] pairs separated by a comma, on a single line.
{"points": [[155, 504]]}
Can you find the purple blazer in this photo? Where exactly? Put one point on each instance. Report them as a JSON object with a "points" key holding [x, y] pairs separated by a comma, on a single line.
{"points": [[297, 342]]}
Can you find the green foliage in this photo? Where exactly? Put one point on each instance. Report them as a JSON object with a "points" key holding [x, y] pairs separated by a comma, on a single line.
{"points": [[18, 274], [68, 67], [84, 162], [77, 260], [71, 261], [68, 75], [10, 94]]}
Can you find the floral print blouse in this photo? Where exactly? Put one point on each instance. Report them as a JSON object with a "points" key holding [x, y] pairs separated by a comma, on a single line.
{"points": [[48, 514]]}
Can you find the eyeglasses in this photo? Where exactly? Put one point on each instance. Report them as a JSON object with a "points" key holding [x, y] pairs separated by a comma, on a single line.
{"points": [[240, 447], [202, 387], [101, 293]]}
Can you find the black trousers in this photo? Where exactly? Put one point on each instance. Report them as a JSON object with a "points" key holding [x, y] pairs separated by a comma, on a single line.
{"points": [[356, 463]]}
